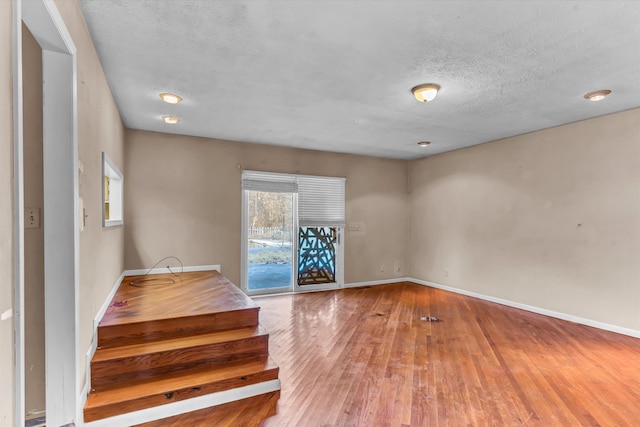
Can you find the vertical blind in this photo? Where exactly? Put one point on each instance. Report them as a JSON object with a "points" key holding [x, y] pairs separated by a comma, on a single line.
{"points": [[320, 199]]}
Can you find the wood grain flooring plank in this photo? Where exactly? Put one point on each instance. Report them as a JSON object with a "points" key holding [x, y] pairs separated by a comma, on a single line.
{"points": [[362, 357]]}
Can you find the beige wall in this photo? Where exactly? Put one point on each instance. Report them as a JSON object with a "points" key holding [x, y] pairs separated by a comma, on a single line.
{"points": [[99, 129], [183, 198], [33, 237], [6, 214], [550, 219]]}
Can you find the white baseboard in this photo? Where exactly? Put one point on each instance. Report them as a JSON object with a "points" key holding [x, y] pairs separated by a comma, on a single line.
{"points": [[538, 310], [188, 405], [161, 270], [106, 302], [376, 282]]}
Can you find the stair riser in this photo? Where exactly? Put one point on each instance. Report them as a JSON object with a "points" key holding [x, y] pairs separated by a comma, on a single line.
{"points": [[136, 333], [114, 372], [165, 397], [228, 414]]}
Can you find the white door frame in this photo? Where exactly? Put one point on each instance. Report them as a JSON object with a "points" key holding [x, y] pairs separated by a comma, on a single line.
{"points": [[244, 261], [293, 287], [60, 213]]}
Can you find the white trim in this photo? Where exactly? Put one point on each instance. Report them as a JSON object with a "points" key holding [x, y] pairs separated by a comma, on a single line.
{"points": [[61, 236], [18, 222], [162, 270], [116, 192], [244, 280], [533, 309], [376, 282], [188, 405], [105, 304], [60, 158]]}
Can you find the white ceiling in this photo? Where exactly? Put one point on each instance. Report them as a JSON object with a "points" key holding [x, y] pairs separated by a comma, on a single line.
{"points": [[336, 75]]}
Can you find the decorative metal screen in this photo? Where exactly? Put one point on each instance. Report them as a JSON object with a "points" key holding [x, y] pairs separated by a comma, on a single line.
{"points": [[317, 255]]}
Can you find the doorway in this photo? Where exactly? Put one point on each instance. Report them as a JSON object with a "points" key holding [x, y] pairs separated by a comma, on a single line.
{"points": [[59, 211], [291, 232], [34, 323], [270, 241]]}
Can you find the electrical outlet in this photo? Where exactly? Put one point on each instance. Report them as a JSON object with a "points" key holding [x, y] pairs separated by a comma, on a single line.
{"points": [[32, 218], [446, 273], [382, 268]]}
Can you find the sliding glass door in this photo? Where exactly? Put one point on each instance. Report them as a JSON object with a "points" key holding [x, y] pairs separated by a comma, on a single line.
{"points": [[317, 255], [291, 232], [270, 245]]}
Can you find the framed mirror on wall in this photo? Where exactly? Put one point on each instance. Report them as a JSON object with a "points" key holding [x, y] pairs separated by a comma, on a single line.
{"points": [[112, 194]]}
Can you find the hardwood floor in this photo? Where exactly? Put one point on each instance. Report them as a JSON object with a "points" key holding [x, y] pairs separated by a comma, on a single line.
{"points": [[363, 357]]}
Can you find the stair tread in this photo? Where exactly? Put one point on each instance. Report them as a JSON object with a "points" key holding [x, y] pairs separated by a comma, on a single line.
{"points": [[171, 327], [114, 353], [176, 381]]}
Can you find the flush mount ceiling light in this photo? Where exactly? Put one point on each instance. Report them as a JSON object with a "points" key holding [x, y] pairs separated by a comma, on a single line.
{"points": [[170, 98], [425, 93], [171, 120], [598, 95], [424, 143]]}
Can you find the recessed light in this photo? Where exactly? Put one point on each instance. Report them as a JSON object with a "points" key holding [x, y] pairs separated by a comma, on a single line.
{"points": [[598, 95], [425, 93], [170, 98], [424, 143], [172, 120]]}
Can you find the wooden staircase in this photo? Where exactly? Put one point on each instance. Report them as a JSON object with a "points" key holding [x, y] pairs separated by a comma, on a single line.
{"points": [[164, 342]]}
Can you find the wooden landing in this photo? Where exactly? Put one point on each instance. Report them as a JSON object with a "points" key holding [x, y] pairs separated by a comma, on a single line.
{"points": [[194, 293], [170, 339], [157, 308]]}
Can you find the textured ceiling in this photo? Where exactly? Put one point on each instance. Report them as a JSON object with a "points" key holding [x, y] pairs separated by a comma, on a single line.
{"points": [[336, 75]]}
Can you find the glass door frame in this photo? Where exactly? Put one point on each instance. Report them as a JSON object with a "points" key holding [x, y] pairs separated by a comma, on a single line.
{"points": [[294, 286], [339, 282], [244, 258]]}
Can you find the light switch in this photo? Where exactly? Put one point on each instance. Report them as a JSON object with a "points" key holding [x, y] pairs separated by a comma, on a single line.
{"points": [[32, 218]]}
